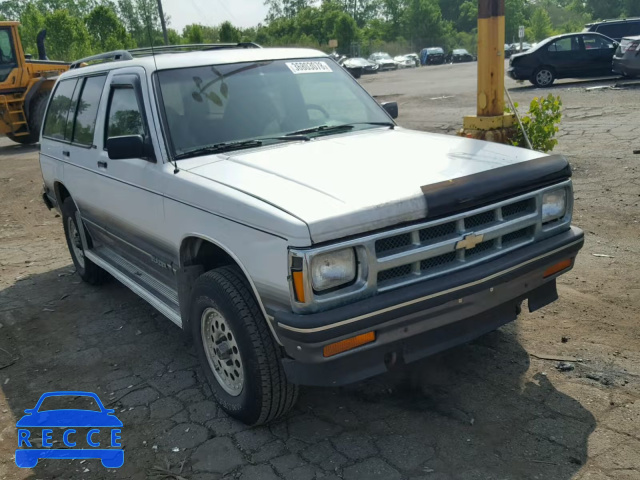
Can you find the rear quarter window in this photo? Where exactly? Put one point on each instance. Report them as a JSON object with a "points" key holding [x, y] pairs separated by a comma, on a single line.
{"points": [[57, 125], [634, 29], [614, 30]]}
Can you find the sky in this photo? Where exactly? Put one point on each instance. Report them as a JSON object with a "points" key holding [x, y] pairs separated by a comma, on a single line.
{"points": [[242, 13]]}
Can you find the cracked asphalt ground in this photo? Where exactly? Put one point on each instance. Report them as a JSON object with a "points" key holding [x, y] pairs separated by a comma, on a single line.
{"points": [[494, 409]]}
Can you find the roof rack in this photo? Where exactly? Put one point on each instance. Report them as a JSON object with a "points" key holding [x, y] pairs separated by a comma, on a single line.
{"points": [[612, 20], [122, 55], [115, 56]]}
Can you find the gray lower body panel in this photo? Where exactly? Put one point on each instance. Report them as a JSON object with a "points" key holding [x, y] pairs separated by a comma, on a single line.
{"points": [[159, 295]]}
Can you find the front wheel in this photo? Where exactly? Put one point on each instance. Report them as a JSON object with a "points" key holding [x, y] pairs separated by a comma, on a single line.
{"points": [[543, 77], [88, 271], [235, 346]]}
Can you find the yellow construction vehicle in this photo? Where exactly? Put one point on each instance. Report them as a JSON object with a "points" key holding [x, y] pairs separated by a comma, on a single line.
{"points": [[25, 85]]}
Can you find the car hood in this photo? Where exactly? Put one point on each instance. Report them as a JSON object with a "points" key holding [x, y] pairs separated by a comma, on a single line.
{"points": [[352, 183]]}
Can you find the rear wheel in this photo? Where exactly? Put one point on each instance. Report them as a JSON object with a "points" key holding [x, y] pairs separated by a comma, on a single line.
{"points": [[543, 77], [35, 117], [235, 346]]}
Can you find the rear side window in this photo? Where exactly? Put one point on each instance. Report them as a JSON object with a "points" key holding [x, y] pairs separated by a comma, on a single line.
{"points": [[56, 123], [85, 124], [125, 117], [593, 42], [615, 30]]}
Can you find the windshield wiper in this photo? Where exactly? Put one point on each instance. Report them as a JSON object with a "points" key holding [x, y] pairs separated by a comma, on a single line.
{"points": [[240, 145], [338, 128]]}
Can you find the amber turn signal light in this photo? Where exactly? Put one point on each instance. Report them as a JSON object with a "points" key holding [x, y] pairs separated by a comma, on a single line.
{"points": [[558, 267], [298, 286], [349, 344]]}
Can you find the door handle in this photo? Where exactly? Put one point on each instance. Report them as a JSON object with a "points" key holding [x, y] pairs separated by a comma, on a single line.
{"points": [[66, 153], [102, 164]]}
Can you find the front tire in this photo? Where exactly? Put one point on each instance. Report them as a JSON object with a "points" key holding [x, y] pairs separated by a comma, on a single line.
{"points": [[236, 349], [543, 77], [88, 271]]}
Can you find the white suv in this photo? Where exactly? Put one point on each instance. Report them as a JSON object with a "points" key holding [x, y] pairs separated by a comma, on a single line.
{"points": [[267, 205]]}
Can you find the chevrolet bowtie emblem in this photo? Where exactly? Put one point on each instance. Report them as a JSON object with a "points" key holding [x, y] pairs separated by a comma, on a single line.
{"points": [[469, 242]]}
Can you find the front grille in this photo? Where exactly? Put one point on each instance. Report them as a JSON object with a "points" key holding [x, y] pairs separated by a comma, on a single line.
{"points": [[484, 218], [437, 262], [388, 245], [459, 242], [517, 237], [519, 208], [392, 273], [438, 232], [480, 249]]}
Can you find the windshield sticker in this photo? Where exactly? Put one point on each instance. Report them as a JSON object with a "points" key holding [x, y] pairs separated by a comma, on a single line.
{"points": [[309, 67]]}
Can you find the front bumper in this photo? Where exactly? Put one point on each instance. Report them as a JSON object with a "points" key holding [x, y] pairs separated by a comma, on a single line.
{"points": [[519, 73], [422, 319]]}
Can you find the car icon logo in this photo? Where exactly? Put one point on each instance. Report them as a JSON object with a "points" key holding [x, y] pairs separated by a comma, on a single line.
{"points": [[68, 426]]}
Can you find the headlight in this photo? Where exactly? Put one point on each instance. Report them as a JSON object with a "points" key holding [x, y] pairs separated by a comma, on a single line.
{"points": [[554, 205], [330, 270]]}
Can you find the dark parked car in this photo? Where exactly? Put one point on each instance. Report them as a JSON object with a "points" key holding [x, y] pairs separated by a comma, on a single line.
{"points": [[358, 66], [574, 55], [616, 29], [509, 50], [460, 55], [434, 56], [626, 60]]}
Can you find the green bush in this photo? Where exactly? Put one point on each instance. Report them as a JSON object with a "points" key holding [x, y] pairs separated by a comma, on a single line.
{"points": [[541, 123]]}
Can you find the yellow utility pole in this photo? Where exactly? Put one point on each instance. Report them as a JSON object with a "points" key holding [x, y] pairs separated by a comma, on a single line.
{"points": [[490, 123]]}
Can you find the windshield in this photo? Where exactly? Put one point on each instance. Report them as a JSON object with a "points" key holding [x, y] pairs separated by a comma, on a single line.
{"points": [[435, 50], [382, 56], [246, 101]]}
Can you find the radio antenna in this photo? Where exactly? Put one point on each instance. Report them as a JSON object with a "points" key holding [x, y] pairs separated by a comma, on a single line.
{"points": [[176, 170]]}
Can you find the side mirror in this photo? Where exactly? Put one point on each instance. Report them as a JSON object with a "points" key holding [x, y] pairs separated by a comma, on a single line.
{"points": [[391, 108], [129, 146]]}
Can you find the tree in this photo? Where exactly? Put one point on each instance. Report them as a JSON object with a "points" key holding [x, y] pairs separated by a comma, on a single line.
{"points": [[67, 36], [602, 9], [423, 22], [631, 8], [13, 9], [540, 26], [345, 31], [229, 33], [174, 37], [193, 33], [107, 31], [514, 17], [285, 8], [468, 18], [32, 21]]}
